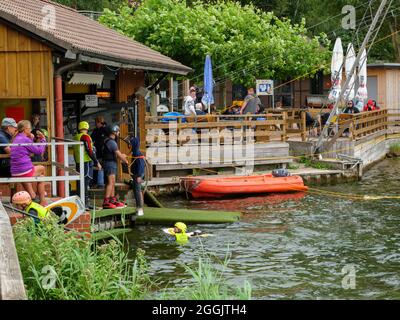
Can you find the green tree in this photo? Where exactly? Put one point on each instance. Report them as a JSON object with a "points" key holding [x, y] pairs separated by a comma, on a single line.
{"points": [[245, 43], [93, 5]]}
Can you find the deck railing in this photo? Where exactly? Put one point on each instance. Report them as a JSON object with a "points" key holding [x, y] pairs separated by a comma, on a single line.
{"points": [[274, 124], [70, 173]]}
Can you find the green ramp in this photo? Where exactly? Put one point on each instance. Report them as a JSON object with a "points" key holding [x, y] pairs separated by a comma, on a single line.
{"points": [[172, 215]]}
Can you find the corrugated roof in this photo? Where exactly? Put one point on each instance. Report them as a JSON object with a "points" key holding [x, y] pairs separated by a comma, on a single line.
{"points": [[79, 34]]}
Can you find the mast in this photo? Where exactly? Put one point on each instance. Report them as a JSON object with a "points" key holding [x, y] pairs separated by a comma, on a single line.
{"points": [[346, 84]]}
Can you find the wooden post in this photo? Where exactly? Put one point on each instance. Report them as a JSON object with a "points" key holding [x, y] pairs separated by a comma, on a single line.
{"points": [[303, 126], [284, 127], [153, 103], [171, 94], [11, 281]]}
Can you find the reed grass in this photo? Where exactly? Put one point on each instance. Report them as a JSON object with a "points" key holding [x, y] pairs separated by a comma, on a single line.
{"points": [[84, 270]]}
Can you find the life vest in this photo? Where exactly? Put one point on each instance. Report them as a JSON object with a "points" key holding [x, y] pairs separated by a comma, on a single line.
{"points": [[41, 211], [86, 157], [107, 154], [181, 238]]}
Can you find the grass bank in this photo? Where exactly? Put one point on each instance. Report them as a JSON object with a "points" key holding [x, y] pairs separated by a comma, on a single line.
{"points": [[62, 266]]}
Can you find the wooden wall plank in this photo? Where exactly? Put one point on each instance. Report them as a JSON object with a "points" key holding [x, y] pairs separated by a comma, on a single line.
{"points": [[3, 71], [3, 38], [12, 40]]}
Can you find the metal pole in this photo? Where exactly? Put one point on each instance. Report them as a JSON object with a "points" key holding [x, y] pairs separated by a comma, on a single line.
{"points": [[356, 62], [53, 167], [66, 161], [82, 173]]}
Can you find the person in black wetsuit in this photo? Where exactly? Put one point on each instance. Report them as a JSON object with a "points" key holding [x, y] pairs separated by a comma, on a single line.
{"points": [[137, 172]]}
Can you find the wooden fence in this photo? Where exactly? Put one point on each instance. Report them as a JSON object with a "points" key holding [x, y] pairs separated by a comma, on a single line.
{"points": [[11, 282], [272, 125]]}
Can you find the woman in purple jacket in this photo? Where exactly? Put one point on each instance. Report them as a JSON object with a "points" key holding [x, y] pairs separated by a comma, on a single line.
{"points": [[21, 162]]}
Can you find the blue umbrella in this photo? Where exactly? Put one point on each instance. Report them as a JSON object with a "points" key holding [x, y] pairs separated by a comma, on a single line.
{"points": [[208, 98]]}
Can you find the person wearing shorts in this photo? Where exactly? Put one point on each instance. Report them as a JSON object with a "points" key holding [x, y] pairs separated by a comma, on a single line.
{"points": [[21, 162], [111, 154]]}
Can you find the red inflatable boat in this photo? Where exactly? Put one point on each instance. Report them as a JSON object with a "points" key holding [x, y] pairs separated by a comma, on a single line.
{"points": [[215, 187]]}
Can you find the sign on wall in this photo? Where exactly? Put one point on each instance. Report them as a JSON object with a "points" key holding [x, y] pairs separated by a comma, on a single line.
{"points": [[91, 100], [265, 87]]}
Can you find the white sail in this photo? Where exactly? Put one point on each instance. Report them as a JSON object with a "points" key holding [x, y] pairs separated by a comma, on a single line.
{"points": [[336, 70], [362, 92], [350, 59]]}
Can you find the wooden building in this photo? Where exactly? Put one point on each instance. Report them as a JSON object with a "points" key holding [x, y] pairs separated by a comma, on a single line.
{"points": [[67, 67]]}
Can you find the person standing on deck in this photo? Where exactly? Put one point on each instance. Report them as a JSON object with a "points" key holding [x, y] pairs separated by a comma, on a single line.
{"points": [[110, 155], [137, 171], [98, 136], [7, 133], [189, 103], [89, 157], [252, 103]]}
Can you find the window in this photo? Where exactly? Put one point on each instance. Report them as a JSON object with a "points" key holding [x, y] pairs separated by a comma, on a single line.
{"points": [[317, 83]]}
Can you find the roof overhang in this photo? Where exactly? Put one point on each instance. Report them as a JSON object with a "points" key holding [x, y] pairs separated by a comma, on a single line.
{"points": [[70, 51], [126, 65], [384, 65]]}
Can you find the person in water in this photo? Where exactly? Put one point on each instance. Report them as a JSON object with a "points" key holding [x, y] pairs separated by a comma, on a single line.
{"points": [[137, 174], [179, 232], [23, 201]]}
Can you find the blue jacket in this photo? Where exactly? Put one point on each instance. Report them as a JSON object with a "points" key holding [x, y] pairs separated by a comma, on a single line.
{"points": [[138, 166]]}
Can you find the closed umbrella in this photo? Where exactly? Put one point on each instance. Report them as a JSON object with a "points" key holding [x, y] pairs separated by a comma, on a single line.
{"points": [[350, 59], [208, 98], [336, 70], [362, 92]]}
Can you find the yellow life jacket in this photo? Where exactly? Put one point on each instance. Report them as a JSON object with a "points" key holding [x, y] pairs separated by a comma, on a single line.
{"points": [[41, 211], [86, 157], [181, 238]]}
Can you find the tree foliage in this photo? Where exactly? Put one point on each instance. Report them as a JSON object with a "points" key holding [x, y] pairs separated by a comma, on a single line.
{"points": [[325, 16], [244, 42], [93, 5]]}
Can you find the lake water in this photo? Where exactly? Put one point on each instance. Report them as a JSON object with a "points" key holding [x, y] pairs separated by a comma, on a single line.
{"points": [[296, 246]]}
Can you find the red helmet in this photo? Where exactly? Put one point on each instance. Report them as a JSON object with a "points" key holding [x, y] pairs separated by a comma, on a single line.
{"points": [[21, 197]]}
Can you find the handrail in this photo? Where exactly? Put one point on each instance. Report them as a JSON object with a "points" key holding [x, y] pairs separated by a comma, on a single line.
{"points": [[273, 122], [80, 177]]}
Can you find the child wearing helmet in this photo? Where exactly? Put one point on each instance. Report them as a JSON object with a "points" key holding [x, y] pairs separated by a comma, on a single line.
{"points": [[23, 201], [179, 232], [89, 157]]}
